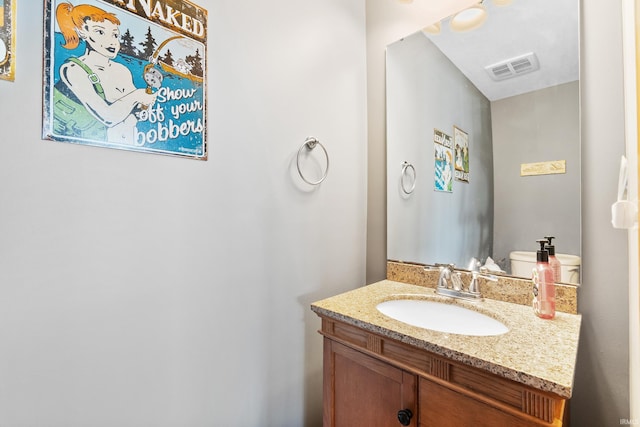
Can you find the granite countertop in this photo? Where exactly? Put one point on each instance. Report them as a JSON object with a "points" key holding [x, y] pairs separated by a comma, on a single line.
{"points": [[536, 352]]}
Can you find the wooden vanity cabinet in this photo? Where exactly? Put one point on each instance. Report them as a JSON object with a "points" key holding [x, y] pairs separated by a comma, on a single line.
{"points": [[363, 391], [440, 406], [373, 381]]}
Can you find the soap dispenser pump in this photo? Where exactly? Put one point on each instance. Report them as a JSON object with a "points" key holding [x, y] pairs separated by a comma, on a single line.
{"points": [[553, 261], [544, 291]]}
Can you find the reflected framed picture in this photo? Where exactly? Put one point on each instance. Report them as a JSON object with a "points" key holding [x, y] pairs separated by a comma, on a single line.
{"points": [[461, 150]]}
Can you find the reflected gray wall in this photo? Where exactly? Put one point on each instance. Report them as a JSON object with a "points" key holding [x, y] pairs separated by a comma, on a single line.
{"points": [[425, 91], [535, 127]]}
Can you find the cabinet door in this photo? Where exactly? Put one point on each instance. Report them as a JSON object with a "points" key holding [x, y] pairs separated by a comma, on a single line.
{"points": [[443, 407], [361, 391]]}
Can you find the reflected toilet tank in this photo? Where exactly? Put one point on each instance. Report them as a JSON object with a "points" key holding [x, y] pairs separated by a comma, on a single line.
{"points": [[523, 262]]}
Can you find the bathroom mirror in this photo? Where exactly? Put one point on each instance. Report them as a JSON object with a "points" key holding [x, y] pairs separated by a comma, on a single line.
{"points": [[509, 91]]}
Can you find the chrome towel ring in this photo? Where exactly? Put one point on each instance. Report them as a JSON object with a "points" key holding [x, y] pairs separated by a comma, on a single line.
{"points": [[404, 173], [310, 143]]}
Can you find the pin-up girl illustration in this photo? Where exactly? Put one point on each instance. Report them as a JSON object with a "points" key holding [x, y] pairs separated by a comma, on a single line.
{"points": [[95, 97], [446, 173]]}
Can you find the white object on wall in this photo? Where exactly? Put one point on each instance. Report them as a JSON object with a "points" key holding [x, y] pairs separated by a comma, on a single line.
{"points": [[624, 212]]}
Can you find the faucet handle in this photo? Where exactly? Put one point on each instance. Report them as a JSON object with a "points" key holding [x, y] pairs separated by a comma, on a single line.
{"points": [[474, 286]]}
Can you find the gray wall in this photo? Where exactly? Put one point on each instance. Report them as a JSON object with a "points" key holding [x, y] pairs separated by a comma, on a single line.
{"points": [[601, 394], [425, 91], [142, 290], [539, 126]]}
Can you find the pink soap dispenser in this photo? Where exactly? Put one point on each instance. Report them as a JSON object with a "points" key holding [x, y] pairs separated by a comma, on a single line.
{"points": [[544, 290], [553, 261]]}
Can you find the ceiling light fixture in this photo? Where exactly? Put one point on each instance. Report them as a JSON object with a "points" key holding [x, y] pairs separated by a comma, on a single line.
{"points": [[433, 28], [469, 19]]}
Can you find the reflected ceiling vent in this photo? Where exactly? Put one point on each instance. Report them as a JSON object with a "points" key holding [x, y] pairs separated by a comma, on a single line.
{"points": [[513, 67]]}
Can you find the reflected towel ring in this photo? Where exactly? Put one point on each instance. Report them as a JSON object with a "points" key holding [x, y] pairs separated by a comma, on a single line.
{"points": [[310, 143], [406, 166]]}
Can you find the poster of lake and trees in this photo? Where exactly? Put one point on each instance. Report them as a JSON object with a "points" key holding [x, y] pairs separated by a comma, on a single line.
{"points": [[126, 74], [461, 150]]}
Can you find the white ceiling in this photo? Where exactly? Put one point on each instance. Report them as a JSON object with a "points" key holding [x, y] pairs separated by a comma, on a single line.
{"points": [[548, 28]]}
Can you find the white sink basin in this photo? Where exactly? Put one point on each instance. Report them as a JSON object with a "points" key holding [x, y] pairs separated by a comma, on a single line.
{"points": [[442, 317]]}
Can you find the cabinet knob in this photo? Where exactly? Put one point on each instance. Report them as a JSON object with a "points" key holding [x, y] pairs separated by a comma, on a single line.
{"points": [[404, 416]]}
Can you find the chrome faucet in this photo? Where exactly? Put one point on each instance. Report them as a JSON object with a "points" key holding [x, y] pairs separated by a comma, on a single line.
{"points": [[450, 281]]}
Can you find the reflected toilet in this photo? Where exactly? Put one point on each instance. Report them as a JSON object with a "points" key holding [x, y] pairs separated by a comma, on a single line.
{"points": [[522, 263]]}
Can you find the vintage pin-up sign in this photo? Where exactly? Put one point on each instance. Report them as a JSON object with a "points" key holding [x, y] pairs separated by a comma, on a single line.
{"points": [[126, 74]]}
